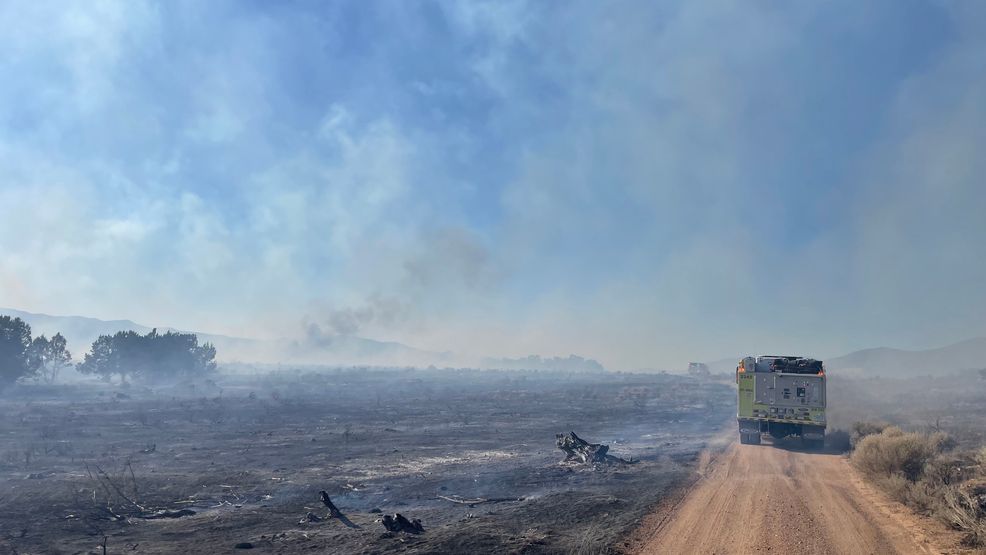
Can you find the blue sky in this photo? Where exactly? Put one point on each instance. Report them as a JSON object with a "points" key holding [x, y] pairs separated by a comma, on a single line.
{"points": [[645, 183]]}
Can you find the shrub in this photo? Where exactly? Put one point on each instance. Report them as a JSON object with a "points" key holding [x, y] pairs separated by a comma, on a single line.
{"points": [[942, 471], [865, 428], [963, 507], [892, 431], [894, 452], [896, 486], [920, 496], [921, 471], [942, 442]]}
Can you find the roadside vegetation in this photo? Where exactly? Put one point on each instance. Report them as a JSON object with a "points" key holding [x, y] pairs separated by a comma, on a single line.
{"points": [[927, 472]]}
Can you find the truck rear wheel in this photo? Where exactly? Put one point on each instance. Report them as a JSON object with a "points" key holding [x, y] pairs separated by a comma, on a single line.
{"points": [[750, 439]]}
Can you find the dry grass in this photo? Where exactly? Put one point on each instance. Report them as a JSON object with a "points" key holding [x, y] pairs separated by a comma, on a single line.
{"points": [[924, 472], [964, 509]]}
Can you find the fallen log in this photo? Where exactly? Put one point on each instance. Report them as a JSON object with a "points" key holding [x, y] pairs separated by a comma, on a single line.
{"points": [[581, 451], [333, 510], [164, 513], [479, 500]]}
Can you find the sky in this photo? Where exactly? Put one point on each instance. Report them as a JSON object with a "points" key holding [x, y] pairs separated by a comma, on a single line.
{"points": [[640, 182]]}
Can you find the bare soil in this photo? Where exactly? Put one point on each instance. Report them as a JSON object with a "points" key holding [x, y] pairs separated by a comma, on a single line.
{"points": [[249, 455], [778, 499]]}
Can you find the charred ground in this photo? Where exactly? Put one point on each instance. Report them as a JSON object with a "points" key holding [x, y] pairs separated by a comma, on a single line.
{"points": [[250, 454]]}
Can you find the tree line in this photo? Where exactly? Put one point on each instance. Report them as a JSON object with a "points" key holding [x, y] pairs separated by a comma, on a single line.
{"points": [[126, 354]]}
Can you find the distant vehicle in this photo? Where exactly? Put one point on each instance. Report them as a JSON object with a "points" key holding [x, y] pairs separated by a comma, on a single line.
{"points": [[698, 369], [781, 396]]}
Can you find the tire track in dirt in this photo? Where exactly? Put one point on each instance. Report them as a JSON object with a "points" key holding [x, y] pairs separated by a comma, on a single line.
{"points": [[761, 498]]}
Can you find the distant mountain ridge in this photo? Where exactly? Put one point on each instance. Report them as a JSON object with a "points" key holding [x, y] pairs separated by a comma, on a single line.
{"points": [[315, 348], [884, 361], [889, 362]]}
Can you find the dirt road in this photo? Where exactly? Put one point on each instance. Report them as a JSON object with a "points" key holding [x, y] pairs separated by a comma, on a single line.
{"points": [[762, 498]]}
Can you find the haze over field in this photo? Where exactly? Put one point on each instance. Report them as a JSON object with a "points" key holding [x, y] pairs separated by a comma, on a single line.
{"points": [[321, 349], [639, 183]]}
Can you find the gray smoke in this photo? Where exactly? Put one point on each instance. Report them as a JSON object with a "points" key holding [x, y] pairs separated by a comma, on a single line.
{"points": [[376, 309], [448, 263], [450, 257]]}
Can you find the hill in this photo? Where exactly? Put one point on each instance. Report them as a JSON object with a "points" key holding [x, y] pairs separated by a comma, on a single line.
{"points": [[888, 362]]}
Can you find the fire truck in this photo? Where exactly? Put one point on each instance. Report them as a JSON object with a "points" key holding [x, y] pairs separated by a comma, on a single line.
{"points": [[781, 396]]}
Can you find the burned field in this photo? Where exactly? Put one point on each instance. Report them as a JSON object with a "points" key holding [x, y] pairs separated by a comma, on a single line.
{"points": [[241, 461]]}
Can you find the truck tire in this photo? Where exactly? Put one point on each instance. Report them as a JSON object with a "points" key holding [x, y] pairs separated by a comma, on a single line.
{"points": [[813, 444], [750, 439]]}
